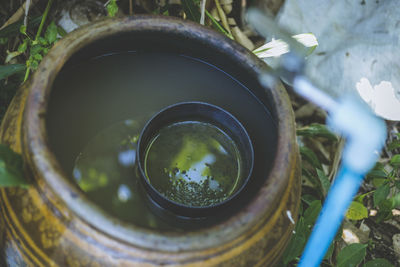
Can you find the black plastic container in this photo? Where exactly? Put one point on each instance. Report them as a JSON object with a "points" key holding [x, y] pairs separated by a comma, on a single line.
{"points": [[204, 113]]}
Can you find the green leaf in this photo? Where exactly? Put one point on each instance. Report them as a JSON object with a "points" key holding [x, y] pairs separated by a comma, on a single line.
{"points": [[23, 46], [22, 29], [329, 253], [191, 10], [378, 262], [311, 177], [395, 161], [112, 8], [393, 145], [381, 193], [376, 174], [42, 41], [51, 33], [312, 212], [14, 28], [325, 184], [301, 208], [38, 57], [385, 210], [35, 49], [396, 200], [308, 199], [11, 168], [3, 40], [8, 70], [351, 255], [62, 32], [317, 130], [377, 182], [379, 166], [33, 64], [296, 243], [356, 211], [308, 155]]}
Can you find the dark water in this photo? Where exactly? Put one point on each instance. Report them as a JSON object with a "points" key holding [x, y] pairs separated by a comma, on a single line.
{"points": [[106, 171], [98, 107], [193, 163]]}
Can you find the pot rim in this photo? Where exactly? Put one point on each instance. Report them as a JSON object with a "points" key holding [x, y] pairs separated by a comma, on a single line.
{"points": [[174, 114], [48, 172]]}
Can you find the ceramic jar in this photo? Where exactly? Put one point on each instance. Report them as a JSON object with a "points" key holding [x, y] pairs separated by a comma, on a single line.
{"points": [[52, 223]]}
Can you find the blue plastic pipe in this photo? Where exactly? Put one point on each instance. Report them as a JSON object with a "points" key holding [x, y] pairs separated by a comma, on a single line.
{"points": [[365, 136], [364, 132], [340, 196]]}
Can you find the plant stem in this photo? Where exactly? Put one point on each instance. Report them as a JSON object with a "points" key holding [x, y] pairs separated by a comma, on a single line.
{"points": [[202, 11], [130, 8], [46, 12], [26, 74], [222, 16], [217, 25]]}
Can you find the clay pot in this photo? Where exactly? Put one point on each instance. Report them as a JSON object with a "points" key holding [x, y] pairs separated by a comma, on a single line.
{"points": [[53, 224]]}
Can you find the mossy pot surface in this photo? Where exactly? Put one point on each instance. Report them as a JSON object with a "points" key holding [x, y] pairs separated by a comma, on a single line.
{"points": [[53, 223]]}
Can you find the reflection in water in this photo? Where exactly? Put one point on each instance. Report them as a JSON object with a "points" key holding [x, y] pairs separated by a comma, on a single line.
{"points": [[105, 170], [124, 193], [127, 158], [193, 163]]}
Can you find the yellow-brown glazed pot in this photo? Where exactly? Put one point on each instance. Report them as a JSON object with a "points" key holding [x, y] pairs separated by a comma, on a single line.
{"points": [[53, 223]]}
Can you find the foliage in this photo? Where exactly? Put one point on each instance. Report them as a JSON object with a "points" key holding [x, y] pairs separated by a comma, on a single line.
{"points": [[217, 26], [11, 169], [112, 8], [395, 144], [313, 172], [13, 29], [351, 255], [379, 262], [317, 130], [357, 211], [38, 47], [192, 11], [297, 242], [35, 47], [385, 196], [9, 32], [8, 70]]}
